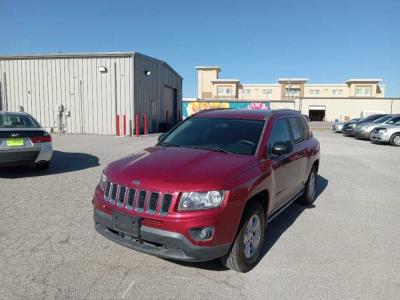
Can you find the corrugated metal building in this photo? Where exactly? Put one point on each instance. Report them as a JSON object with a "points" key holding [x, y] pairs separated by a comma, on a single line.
{"points": [[96, 93]]}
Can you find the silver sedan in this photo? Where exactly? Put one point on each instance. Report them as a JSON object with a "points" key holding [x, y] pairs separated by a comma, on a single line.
{"points": [[387, 134], [23, 141]]}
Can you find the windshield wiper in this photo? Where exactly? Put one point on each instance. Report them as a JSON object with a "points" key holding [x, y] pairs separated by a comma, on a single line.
{"points": [[211, 148], [166, 144]]}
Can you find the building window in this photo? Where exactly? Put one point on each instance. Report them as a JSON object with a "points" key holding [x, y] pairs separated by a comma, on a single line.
{"points": [[224, 91], [364, 91], [292, 91], [337, 92], [245, 91], [267, 91], [314, 92]]}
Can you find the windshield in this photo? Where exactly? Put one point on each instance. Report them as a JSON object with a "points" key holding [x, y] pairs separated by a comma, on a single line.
{"points": [[237, 136], [17, 121], [382, 119]]}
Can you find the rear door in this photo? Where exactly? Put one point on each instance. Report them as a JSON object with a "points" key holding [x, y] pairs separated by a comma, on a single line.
{"points": [[300, 150], [284, 167]]}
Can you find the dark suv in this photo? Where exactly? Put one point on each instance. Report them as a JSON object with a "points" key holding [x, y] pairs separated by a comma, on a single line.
{"points": [[210, 185]]}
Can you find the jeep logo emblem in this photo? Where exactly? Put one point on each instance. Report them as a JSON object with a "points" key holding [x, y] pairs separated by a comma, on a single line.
{"points": [[136, 182]]}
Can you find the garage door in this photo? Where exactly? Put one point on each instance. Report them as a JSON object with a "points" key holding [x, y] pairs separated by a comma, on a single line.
{"points": [[170, 102]]}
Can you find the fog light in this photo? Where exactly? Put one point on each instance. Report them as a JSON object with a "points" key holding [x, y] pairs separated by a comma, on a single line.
{"points": [[202, 234]]}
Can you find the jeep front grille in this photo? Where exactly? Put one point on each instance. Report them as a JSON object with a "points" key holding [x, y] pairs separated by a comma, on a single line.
{"points": [[142, 201]]}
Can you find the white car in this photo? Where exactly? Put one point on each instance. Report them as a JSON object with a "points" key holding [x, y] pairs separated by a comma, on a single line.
{"points": [[23, 141]]}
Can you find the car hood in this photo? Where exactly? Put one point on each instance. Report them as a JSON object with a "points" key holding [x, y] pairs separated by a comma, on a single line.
{"points": [[178, 169], [388, 126]]}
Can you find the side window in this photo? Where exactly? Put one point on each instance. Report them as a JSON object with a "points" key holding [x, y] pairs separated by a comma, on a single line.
{"points": [[279, 133], [395, 120], [297, 130], [304, 126]]}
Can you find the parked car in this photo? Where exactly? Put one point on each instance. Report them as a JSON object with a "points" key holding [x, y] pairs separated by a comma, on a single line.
{"points": [[348, 128], [209, 186], [23, 141], [364, 131], [338, 126], [387, 134]]}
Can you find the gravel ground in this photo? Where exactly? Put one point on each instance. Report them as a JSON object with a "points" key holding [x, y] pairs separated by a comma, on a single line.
{"points": [[345, 247]]}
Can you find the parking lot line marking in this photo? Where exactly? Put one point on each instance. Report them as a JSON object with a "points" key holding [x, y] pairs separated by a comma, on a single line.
{"points": [[128, 289]]}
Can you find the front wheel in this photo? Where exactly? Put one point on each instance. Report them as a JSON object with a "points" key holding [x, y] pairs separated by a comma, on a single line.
{"points": [[395, 139], [308, 196], [245, 251]]}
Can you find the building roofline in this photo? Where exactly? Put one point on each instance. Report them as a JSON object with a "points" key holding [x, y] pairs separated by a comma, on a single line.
{"points": [[325, 84], [208, 68], [160, 61], [67, 55], [260, 84], [293, 79], [86, 55], [225, 80], [374, 80]]}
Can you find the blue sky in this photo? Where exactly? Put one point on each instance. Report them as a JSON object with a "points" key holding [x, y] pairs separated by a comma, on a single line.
{"points": [[256, 41]]}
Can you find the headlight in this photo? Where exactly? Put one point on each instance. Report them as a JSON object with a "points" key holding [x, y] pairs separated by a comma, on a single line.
{"points": [[382, 130], [103, 181], [353, 126], [201, 200]]}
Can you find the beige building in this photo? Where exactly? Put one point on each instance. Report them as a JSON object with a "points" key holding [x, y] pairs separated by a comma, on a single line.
{"points": [[351, 99], [211, 86]]}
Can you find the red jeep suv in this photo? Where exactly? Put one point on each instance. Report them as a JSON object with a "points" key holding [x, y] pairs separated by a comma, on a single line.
{"points": [[210, 185]]}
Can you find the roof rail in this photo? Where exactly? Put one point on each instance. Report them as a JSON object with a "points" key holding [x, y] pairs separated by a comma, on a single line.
{"points": [[212, 109]]}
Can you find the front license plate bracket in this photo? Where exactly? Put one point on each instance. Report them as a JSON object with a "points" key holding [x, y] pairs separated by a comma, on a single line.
{"points": [[127, 224]]}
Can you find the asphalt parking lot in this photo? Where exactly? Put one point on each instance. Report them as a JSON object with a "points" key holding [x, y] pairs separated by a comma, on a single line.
{"points": [[345, 247]]}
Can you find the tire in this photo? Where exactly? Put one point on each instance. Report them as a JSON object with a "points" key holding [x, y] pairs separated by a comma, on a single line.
{"points": [[240, 259], [308, 196], [395, 140], [44, 165]]}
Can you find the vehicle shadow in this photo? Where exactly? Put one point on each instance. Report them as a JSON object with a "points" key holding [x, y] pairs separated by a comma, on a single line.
{"points": [[62, 162], [281, 223], [273, 232]]}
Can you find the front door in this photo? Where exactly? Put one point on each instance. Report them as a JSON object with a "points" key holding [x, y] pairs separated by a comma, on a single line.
{"points": [[284, 167]]}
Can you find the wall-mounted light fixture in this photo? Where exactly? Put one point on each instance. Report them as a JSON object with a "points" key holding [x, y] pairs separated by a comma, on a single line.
{"points": [[102, 69], [147, 73]]}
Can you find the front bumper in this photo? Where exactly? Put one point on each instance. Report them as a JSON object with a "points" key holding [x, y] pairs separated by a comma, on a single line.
{"points": [[380, 137], [348, 131], [157, 242], [363, 134]]}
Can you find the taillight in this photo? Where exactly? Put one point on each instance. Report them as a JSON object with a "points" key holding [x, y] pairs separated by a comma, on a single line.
{"points": [[41, 139]]}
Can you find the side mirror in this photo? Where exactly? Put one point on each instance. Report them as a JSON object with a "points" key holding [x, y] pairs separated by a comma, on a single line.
{"points": [[280, 148], [161, 136]]}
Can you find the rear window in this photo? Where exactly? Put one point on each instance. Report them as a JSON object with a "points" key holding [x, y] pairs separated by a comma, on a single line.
{"points": [[17, 121]]}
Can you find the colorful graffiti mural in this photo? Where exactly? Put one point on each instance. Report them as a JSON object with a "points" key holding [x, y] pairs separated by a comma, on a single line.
{"points": [[191, 107]]}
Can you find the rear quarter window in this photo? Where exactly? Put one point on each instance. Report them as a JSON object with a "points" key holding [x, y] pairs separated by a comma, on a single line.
{"points": [[299, 130]]}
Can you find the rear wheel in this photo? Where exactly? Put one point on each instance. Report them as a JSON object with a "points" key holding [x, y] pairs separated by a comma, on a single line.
{"points": [[395, 140], [308, 196], [245, 251]]}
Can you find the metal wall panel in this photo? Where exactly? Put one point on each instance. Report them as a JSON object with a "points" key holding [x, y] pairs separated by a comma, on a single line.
{"points": [[42, 83], [149, 90], [91, 99]]}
